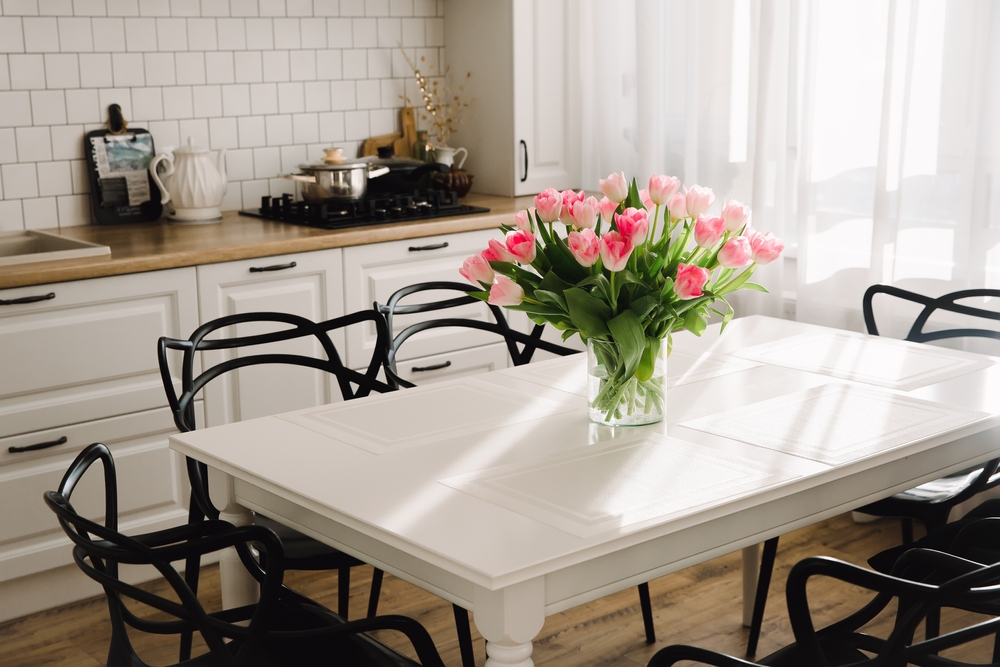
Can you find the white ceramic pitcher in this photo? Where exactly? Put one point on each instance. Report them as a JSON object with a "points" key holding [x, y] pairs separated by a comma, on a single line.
{"points": [[196, 184], [446, 155]]}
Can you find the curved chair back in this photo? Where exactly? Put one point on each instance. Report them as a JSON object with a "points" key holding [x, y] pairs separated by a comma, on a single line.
{"points": [[947, 302], [520, 346]]}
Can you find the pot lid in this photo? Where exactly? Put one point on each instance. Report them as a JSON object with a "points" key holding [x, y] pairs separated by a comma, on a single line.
{"points": [[394, 162], [190, 148], [331, 166]]}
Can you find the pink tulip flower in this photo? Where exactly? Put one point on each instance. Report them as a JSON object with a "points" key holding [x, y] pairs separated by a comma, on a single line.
{"points": [[689, 281], [569, 198], [476, 269], [699, 199], [735, 214], [496, 251], [521, 245], [505, 292], [708, 231], [522, 220], [633, 224], [646, 201], [585, 213], [764, 246], [615, 251], [549, 204], [607, 208], [615, 187], [663, 188], [585, 246], [678, 206], [735, 253]]}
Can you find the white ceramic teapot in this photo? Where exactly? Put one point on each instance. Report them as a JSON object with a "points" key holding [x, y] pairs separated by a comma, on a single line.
{"points": [[196, 184]]}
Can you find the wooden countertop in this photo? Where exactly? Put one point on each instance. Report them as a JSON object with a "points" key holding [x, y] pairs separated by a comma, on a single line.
{"points": [[161, 245]]}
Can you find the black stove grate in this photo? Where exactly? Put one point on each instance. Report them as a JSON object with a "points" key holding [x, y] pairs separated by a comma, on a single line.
{"points": [[372, 210]]}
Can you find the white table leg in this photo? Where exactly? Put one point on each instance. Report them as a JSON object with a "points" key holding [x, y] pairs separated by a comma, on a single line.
{"points": [[239, 588], [509, 619], [751, 569]]}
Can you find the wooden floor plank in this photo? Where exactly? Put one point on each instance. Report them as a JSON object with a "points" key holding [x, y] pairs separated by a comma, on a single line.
{"points": [[700, 606]]}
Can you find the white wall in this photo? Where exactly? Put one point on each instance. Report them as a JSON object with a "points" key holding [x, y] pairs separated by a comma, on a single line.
{"points": [[272, 81]]}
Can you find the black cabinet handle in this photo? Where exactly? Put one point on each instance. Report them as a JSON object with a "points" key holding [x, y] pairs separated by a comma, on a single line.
{"points": [[36, 447], [524, 145], [436, 246], [273, 267], [435, 367], [27, 299]]}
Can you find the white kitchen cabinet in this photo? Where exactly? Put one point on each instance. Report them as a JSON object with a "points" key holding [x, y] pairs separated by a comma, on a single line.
{"points": [[454, 364], [520, 130], [306, 284]]}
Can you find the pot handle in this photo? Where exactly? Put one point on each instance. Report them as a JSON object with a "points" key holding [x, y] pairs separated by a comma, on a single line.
{"points": [[162, 157], [464, 153], [301, 178], [378, 171]]}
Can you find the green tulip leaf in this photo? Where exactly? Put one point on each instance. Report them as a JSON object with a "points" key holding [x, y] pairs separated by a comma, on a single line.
{"points": [[627, 331], [588, 313], [647, 362]]}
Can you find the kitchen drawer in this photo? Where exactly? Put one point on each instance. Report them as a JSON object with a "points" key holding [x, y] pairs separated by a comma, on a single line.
{"points": [[90, 351], [373, 272], [152, 486], [312, 289], [520, 321], [455, 364]]}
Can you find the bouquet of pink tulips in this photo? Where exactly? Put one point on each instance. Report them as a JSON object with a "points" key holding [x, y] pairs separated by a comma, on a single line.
{"points": [[623, 279]]}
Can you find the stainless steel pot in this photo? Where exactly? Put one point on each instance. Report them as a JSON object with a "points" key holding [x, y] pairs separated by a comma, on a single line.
{"points": [[322, 181]]}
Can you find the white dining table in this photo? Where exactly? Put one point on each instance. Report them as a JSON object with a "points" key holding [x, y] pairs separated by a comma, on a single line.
{"points": [[498, 494]]}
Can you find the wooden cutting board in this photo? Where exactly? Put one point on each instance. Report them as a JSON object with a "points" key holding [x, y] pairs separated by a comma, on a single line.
{"points": [[402, 144]]}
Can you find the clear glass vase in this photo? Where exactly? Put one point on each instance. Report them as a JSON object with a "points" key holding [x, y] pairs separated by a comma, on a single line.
{"points": [[615, 399]]}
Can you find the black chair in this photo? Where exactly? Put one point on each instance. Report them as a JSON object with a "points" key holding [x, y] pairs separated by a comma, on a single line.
{"points": [[282, 629], [965, 585], [300, 552], [929, 503], [521, 347]]}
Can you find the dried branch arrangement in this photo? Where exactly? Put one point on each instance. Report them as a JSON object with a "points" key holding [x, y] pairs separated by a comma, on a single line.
{"points": [[441, 110]]}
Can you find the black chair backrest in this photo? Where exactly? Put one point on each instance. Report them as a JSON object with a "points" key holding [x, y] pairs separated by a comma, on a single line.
{"points": [[353, 384], [513, 338], [947, 302], [100, 549]]}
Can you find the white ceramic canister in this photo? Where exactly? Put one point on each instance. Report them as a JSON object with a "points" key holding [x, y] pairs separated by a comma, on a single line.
{"points": [[193, 184]]}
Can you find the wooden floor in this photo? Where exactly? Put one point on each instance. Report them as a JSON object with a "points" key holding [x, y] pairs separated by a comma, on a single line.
{"points": [[700, 605]]}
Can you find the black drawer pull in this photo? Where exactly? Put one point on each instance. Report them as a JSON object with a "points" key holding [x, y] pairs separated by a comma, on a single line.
{"points": [[273, 267], [40, 445], [436, 246], [435, 367], [27, 299], [524, 144]]}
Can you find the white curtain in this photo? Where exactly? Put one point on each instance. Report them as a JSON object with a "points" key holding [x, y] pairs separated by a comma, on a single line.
{"points": [[864, 132]]}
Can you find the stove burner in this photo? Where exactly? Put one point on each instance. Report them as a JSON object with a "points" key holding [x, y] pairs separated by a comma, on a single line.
{"points": [[418, 205]]}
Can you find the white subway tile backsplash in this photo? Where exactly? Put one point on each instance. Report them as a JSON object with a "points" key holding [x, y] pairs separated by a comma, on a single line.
{"points": [[263, 99], [281, 186], [40, 213], [109, 33], [19, 180], [202, 34], [96, 71], [251, 132], [302, 65], [62, 70], [273, 81], [76, 34], [48, 107], [54, 179], [178, 103], [83, 106], [15, 109], [11, 35], [190, 68], [129, 69], [27, 72], [232, 200]]}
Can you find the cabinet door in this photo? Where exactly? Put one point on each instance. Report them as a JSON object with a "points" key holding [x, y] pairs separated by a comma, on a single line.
{"points": [[456, 364], [89, 352], [373, 272], [546, 110], [312, 289]]}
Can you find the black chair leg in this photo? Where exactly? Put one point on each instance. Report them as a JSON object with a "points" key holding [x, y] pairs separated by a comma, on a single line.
{"points": [[647, 613], [376, 591], [343, 591], [464, 636], [760, 599], [907, 527], [192, 571], [996, 648], [932, 624]]}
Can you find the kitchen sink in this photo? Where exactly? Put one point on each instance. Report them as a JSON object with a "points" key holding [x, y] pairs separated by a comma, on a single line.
{"points": [[31, 246]]}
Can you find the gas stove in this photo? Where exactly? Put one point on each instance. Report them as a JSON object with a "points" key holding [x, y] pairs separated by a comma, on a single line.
{"points": [[372, 210]]}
